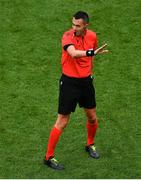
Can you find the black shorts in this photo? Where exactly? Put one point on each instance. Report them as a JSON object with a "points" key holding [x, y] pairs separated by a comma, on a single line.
{"points": [[73, 91]]}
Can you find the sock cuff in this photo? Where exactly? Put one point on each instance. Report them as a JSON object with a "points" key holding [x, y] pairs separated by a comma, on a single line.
{"points": [[92, 124], [56, 130]]}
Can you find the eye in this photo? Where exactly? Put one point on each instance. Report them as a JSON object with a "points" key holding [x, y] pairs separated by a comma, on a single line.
{"points": [[76, 25]]}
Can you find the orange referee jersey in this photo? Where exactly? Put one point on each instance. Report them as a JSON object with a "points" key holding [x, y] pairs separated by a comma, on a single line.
{"points": [[78, 67]]}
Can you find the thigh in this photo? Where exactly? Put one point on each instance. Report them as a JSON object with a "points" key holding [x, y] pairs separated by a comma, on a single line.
{"points": [[88, 99], [68, 96]]}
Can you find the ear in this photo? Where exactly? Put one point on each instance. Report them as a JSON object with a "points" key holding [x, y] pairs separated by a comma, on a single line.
{"points": [[86, 25]]}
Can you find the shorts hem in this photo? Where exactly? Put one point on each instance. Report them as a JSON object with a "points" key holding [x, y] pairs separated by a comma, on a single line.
{"points": [[65, 113], [88, 107]]}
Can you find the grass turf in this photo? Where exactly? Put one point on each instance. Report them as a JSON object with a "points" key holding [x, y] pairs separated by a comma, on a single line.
{"points": [[30, 52]]}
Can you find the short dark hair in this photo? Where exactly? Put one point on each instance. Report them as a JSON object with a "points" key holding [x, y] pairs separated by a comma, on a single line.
{"points": [[81, 15]]}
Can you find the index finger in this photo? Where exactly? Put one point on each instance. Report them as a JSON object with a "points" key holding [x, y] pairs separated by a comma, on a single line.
{"points": [[103, 46]]}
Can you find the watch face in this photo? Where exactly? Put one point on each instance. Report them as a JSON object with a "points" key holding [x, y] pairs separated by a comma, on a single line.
{"points": [[89, 52]]}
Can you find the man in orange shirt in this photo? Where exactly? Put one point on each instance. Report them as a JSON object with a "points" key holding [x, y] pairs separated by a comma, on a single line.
{"points": [[79, 46]]}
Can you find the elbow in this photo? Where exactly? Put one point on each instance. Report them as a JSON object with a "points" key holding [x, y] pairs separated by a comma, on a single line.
{"points": [[73, 55]]}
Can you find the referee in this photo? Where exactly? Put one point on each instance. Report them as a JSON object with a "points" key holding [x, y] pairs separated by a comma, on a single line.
{"points": [[79, 46]]}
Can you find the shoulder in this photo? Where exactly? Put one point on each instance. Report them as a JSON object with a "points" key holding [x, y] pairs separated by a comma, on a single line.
{"points": [[68, 37], [91, 33], [68, 33]]}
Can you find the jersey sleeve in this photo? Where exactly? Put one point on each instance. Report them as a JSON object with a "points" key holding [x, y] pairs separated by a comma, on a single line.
{"points": [[66, 40]]}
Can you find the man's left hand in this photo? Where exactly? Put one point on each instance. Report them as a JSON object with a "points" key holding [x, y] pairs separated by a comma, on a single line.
{"points": [[101, 50]]}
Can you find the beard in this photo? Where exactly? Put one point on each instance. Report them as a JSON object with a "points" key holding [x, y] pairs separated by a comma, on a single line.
{"points": [[80, 33]]}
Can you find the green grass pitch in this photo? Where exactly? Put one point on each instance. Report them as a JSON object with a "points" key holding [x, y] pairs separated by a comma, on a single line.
{"points": [[30, 53]]}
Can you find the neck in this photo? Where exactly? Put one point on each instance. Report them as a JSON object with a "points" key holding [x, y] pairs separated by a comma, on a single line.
{"points": [[80, 33]]}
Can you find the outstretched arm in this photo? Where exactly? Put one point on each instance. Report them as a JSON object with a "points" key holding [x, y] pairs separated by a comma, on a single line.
{"points": [[78, 53]]}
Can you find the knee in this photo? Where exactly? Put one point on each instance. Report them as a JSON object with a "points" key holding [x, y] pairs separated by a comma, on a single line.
{"points": [[62, 121], [92, 119]]}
